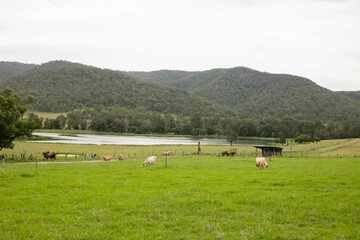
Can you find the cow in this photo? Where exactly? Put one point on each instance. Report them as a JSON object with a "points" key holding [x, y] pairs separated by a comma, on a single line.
{"points": [[228, 153], [120, 157], [106, 158], [50, 155], [166, 153], [261, 163], [94, 155], [149, 161]]}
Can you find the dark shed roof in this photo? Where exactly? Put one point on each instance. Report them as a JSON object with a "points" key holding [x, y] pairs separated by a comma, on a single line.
{"points": [[270, 150]]}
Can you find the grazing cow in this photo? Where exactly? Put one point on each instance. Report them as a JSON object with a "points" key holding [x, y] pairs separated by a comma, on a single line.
{"points": [[166, 153], [120, 157], [261, 162], [50, 155], [149, 161], [94, 155], [106, 158], [228, 153]]}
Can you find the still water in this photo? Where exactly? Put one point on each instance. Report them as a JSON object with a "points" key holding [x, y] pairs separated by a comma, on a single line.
{"points": [[135, 140]]}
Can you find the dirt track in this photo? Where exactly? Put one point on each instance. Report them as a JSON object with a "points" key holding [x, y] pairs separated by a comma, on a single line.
{"points": [[58, 162]]}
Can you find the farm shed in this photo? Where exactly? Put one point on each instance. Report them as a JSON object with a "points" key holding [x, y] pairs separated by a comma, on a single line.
{"points": [[268, 151]]}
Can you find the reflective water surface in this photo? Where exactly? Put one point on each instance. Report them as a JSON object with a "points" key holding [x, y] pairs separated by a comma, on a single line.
{"points": [[135, 140]]}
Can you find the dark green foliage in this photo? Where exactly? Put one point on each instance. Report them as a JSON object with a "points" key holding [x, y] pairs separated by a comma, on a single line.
{"points": [[252, 94], [231, 137], [305, 138], [11, 69], [355, 95], [60, 122], [36, 119], [162, 76], [12, 124], [63, 86], [239, 100]]}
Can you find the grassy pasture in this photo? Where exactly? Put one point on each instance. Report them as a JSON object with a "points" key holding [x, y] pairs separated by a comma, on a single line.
{"points": [[312, 192], [129, 151], [325, 148], [195, 197], [338, 147], [48, 114]]}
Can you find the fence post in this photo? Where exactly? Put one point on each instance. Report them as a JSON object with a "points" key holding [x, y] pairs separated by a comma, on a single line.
{"points": [[3, 166]]}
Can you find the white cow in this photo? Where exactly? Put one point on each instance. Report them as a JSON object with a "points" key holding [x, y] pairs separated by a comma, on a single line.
{"points": [[149, 161], [261, 162]]}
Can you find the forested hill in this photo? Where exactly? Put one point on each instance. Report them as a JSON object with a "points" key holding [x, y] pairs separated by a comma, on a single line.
{"points": [[252, 93], [62, 86], [166, 77], [355, 95], [11, 69]]}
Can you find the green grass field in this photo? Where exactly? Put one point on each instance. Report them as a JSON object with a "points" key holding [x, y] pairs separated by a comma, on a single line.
{"points": [[327, 148], [312, 192], [47, 114], [195, 197]]}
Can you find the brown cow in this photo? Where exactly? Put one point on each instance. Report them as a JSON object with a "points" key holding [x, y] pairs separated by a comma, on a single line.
{"points": [[166, 153], [106, 158], [228, 153], [50, 155]]}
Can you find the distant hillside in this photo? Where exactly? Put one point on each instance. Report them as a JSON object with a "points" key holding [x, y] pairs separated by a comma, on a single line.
{"points": [[61, 86], [252, 93], [355, 95], [162, 76], [11, 69]]}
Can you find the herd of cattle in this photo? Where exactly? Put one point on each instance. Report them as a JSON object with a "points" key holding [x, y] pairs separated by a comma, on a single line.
{"points": [[261, 162]]}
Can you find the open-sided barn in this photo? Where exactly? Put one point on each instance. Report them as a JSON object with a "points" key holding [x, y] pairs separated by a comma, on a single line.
{"points": [[268, 151]]}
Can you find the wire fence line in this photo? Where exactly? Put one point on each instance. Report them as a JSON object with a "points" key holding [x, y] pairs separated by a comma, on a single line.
{"points": [[87, 156], [24, 157]]}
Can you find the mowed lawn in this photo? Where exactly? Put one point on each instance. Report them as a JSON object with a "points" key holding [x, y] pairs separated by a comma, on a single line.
{"points": [[195, 197]]}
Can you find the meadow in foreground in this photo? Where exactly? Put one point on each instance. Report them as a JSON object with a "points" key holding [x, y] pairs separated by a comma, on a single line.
{"points": [[195, 197]]}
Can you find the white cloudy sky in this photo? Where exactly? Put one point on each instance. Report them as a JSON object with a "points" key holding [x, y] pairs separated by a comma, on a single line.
{"points": [[317, 39]]}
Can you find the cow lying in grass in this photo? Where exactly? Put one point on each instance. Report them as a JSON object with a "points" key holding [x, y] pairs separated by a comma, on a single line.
{"points": [[149, 161], [261, 162], [106, 158]]}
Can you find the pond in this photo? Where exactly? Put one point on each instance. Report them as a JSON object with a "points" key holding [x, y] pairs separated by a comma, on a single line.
{"points": [[137, 140]]}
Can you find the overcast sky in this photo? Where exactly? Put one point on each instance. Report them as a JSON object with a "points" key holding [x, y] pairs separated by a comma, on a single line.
{"points": [[316, 39]]}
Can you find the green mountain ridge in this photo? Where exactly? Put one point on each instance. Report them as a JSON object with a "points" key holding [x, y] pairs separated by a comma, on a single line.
{"points": [[355, 95], [11, 69], [60, 86], [253, 94]]}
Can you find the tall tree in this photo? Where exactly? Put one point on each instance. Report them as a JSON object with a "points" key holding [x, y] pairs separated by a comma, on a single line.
{"points": [[231, 137], [12, 122]]}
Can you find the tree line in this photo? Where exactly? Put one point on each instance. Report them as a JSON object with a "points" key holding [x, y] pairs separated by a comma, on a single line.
{"points": [[140, 121]]}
